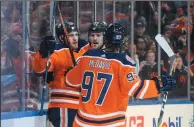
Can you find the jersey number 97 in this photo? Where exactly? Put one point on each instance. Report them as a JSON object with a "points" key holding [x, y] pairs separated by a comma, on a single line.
{"points": [[88, 86]]}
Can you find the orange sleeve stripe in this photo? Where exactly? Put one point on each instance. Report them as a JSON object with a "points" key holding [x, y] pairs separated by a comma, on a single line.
{"points": [[144, 89], [150, 90], [139, 88], [134, 88]]}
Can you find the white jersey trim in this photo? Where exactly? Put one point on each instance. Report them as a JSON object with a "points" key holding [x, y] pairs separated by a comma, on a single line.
{"points": [[70, 84], [64, 91], [145, 89], [64, 101], [133, 88]]}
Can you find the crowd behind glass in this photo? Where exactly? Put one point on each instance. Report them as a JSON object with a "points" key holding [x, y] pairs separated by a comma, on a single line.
{"points": [[18, 81]]}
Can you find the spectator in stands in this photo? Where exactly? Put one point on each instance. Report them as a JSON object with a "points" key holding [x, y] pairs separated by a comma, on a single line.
{"points": [[141, 48], [6, 67], [148, 9], [39, 23], [149, 68], [167, 35], [180, 73], [12, 92], [152, 46], [140, 27], [181, 45], [132, 52]]}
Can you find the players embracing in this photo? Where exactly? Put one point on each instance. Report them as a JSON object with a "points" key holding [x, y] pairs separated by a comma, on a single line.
{"points": [[107, 78]]}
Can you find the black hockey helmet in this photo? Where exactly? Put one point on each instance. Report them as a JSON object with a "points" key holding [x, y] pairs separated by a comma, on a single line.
{"points": [[115, 34], [98, 27], [71, 27]]}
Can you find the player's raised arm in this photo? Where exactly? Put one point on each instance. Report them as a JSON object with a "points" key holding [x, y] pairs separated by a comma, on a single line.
{"points": [[39, 62], [134, 86]]}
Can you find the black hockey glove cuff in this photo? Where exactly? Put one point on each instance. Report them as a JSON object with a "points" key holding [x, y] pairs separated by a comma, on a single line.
{"points": [[164, 83], [68, 69], [50, 77]]}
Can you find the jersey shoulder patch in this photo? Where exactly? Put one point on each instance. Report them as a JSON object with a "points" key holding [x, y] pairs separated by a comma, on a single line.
{"points": [[130, 77], [128, 58]]}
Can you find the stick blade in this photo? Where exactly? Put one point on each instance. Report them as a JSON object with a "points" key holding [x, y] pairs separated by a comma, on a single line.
{"points": [[164, 44]]}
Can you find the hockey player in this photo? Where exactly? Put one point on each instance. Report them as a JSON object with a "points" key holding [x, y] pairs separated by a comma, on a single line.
{"points": [[64, 100], [96, 33], [107, 79], [60, 36]]}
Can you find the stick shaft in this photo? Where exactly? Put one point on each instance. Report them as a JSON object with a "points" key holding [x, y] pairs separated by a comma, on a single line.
{"points": [[165, 97], [44, 85], [66, 38]]}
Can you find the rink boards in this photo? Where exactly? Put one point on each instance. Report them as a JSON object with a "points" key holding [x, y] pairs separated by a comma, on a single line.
{"points": [[175, 115]]}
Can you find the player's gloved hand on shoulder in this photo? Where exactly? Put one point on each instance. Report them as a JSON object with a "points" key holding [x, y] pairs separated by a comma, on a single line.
{"points": [[165, 83], [47, 46], [68, 69]]}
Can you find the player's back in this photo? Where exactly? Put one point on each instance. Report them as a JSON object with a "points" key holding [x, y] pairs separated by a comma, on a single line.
{"points": [[103, 97]]}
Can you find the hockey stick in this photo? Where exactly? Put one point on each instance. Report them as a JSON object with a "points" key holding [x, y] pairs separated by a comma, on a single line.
{"points": [[165, 46], [44, 85], [66, 38], [47, 62]]}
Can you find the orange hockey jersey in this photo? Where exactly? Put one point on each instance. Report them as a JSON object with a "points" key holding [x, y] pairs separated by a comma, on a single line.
{"points": [[61, 96], [106, 80]]}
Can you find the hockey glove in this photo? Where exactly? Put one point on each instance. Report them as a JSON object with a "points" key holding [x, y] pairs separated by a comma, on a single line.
{"points": [[165, 83], [68, 69], [50, 77], [47, 46]]}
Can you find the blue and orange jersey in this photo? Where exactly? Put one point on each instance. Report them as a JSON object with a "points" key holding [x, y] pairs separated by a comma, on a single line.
{"points": [[61, 96], [106, 80]]}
